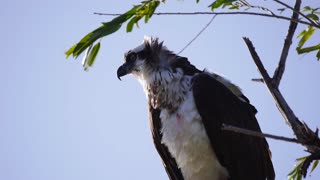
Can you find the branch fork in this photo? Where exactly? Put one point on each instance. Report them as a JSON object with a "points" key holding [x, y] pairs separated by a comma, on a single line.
{"points": [[304, 134]]}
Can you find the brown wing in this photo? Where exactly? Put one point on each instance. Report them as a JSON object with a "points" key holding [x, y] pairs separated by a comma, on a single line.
{"points": [[245, 157], [169, 163]]}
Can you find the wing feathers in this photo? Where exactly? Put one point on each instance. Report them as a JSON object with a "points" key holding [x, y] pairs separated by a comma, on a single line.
{"points": [[245, 157], [169, 163]]}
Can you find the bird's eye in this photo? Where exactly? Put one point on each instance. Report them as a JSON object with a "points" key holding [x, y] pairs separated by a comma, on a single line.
{"points": [[132, 57]]}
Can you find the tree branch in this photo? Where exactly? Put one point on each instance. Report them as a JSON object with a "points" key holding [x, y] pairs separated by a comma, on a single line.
{"points": [[226, 127], [303, 133], [294, 10], [257, 80], [219, 13], [287, 43], [309, 159]]}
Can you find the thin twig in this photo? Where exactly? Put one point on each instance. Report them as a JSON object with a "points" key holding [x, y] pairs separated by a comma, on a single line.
{"points": [[293, 9], [257, 61], [201, 31], [218, 13], [303, 133], [280, 101], [226, 127], [244, 3], [287, 43], [257, 80]]}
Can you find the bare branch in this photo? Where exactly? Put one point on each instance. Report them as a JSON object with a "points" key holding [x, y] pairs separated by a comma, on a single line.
{"points": [[303, 133], [226, 127], [257, 61], [287, 43], [218, 13], [281, 103]]}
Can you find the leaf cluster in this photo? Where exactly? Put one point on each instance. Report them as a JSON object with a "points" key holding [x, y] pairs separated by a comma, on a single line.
{"points": [[296, 173], [145, 9], [313, 14]]}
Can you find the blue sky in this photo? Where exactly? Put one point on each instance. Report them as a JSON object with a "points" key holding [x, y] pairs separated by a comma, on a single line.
{"points": [[61, 123]]}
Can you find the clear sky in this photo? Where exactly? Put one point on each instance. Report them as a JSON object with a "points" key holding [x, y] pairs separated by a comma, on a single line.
{"points": [[61, 123]]}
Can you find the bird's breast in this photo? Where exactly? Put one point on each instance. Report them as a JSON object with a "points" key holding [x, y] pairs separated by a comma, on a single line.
{"points": [[187, 140]]}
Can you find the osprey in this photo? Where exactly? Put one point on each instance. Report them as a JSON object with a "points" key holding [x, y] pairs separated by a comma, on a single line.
{"points": [[187, 108]]}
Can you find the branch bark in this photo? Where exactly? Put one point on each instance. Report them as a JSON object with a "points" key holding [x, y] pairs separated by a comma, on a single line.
{"points": [[248, 132], [303, 133], [287, 43]]}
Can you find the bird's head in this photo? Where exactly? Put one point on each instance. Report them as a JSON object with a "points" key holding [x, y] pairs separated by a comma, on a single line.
{"points": [[148, 57], [160, 72]]}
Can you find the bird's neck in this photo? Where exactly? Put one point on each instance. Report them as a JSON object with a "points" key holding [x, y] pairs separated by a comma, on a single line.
{"points": [[166, 89]]}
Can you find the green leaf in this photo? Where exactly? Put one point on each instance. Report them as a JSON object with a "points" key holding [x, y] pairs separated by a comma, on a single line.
{"points": [[69, 51], [234, 7], [307, 8], [133, 21], [218, 3], [305, 35], [302, 158], [91, 56], [318, 55], [299, 176], [90, 38], [124, 17], [313, 16], [292, 172], [146, 10], [314, 165], [197, 1], [130, 24], [85, 57], [308, 49], [104, 30], [152, 8], [295, 174]]}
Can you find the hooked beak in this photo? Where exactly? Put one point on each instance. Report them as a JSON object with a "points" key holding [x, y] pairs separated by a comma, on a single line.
{"points": [[123, 70]]}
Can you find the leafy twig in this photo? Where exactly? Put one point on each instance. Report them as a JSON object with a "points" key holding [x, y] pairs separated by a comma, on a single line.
{"points": [[300, 13], [244, 3], [308, 160]]}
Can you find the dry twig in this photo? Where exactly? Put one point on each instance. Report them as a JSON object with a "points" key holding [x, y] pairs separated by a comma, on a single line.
{"points": [[226, 127], [303, 133]]}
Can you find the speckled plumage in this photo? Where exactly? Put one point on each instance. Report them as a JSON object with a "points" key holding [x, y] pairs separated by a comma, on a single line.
{"points": [[187, 108]]}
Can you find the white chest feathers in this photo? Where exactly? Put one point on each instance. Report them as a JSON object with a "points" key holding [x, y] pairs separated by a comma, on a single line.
{"points": [[186, 138]]}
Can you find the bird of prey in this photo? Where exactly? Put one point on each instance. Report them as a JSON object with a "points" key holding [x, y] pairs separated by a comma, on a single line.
{"points": [[187, 108]]}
